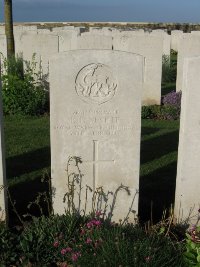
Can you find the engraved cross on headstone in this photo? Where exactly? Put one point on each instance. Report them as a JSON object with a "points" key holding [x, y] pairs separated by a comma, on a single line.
{"points": [[96, 161]]}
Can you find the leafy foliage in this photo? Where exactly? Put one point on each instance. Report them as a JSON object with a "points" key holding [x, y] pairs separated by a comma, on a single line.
{"points": [[192, 254], [165, 112], [169, 110], [37, 239], [69, 240], [8, 246], [169, 65], [23, 89]]}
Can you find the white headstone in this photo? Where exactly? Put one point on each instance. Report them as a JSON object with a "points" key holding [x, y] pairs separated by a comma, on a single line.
{"points": [[3, 46], [187, 200], [176, 35], [189, 46], [166, 40], [94, 41], [3, 203], [130, 33], [2, 30], [21, 29], [151, 48], [18, 41], [42, 45], [195, 32], [67, 28], [95, 99], [107, 31], [44, 31], [67, 40]]}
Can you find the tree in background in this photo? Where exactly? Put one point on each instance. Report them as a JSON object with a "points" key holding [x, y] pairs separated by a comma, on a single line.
{"points": [[9, 28]]}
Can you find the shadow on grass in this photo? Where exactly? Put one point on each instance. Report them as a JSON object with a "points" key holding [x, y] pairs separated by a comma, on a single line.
{"points": [[27, 162], [157, 192], [158, 146], [22, 195], [157, 188], [149, 130]]}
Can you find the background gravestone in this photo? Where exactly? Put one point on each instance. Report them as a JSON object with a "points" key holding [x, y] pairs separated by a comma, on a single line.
{"points": [[150, 47], [187, 200], [166, 40], [67, 40], [2, 164], [3, 47], [94, 41], [42, 45], [95, 100], [176, 36], [189, 46]]}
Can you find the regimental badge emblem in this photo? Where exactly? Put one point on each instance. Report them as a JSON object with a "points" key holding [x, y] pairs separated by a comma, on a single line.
{"points": [[95, 83]]}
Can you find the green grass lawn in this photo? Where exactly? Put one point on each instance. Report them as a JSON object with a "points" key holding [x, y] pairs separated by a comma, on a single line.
{"points": [[159, 145], [28, 157]]}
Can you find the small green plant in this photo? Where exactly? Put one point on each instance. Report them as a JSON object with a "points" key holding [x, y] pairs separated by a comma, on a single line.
{"points": [[192, 254], [164, 112], [147, 112], [9, 246], [71, 240], [169, 64], [38, 238], [169, 110], [77, 239], [23, 89]]}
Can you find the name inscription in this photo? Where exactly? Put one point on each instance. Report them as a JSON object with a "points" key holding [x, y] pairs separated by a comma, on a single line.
{"points": [[95, 123]]}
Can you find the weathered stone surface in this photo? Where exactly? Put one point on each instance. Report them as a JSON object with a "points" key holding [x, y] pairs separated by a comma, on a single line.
{"points": [[94, 41], [44, 31], [67, 40], [3, 46], [107, 31], [176, 35], [19, 40], [195, 32], [42, 45], [189, 46], [95, 99], [187, 201], [151, 48], [129, 33], [64, 28], [166, 40], [3, 202], [21, 29]]}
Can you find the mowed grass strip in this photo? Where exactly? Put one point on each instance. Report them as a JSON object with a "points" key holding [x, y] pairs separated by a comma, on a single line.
{"points": [[159, 148], [27, 142]]}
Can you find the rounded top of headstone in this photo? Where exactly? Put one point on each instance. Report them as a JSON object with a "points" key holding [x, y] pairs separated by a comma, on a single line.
{"points": [[95, 83]]}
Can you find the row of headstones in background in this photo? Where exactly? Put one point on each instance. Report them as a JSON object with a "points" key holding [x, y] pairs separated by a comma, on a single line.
{"points": [[148, 45], [169, 40], [63, 39], [69, 38]]}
